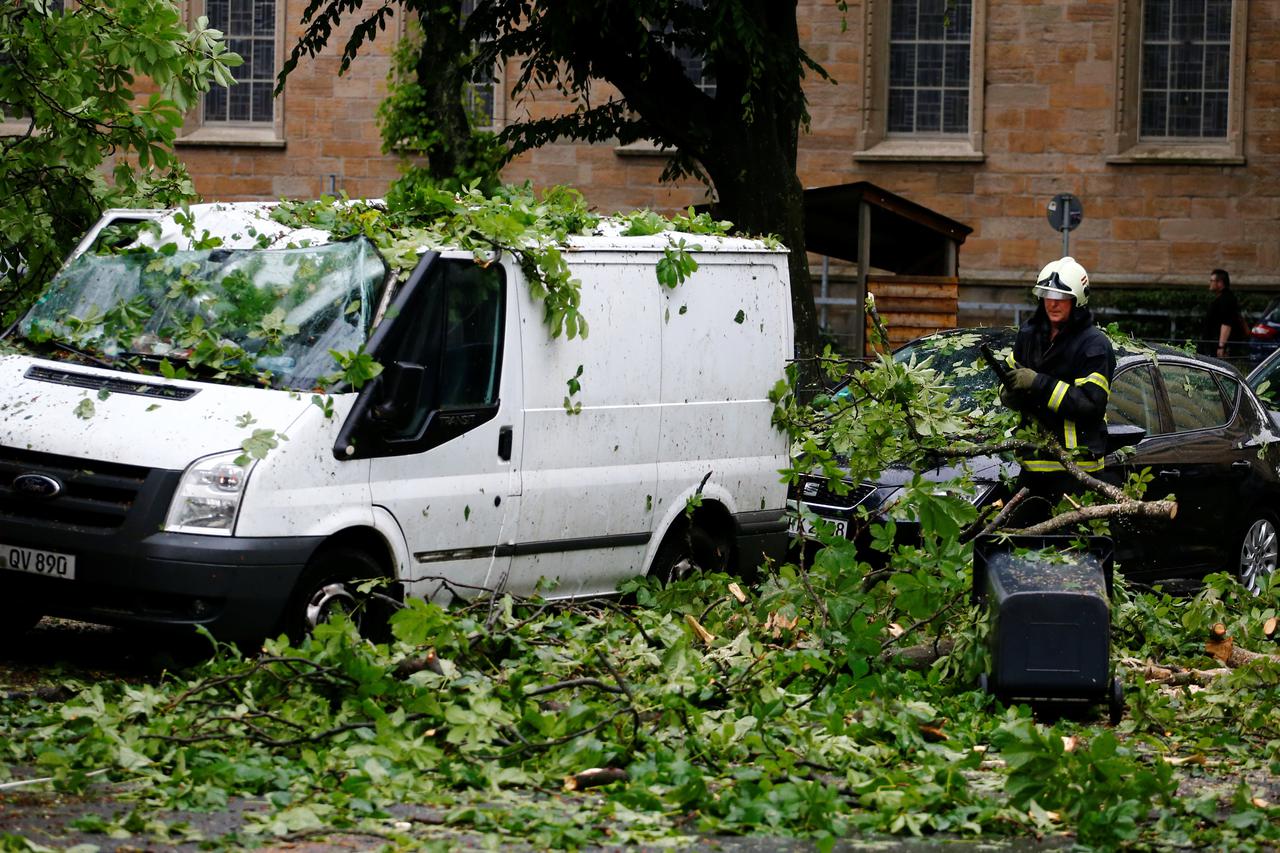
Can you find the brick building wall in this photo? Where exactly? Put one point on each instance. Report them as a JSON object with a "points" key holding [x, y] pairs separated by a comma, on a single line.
{"points": [[1051, 104], [325, 136]]}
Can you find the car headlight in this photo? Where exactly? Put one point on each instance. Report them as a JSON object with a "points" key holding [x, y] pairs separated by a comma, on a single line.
{"points": [[981, 493], [208, 496], [975, 497], [884, 497]]}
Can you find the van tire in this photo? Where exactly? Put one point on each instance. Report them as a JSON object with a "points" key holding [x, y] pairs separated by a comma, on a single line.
{"points": [[17, 617], [688, 549], [328, 585]]}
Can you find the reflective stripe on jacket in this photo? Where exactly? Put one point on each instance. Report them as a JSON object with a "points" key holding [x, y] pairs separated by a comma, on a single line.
{"points": [[1070, 394]]}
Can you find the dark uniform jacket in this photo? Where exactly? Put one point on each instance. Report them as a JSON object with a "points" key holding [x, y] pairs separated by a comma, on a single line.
{"points": [[1070, 395]]}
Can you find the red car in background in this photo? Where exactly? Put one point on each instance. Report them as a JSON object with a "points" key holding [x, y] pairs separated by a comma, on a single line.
{"points": [[1264, 335]]}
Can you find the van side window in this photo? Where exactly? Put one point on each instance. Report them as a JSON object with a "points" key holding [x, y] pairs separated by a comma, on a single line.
{"points": [[473, 326], [448, 350]]}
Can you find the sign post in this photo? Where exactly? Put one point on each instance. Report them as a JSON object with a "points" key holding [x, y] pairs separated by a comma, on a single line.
{"points": [[1065, 212]]}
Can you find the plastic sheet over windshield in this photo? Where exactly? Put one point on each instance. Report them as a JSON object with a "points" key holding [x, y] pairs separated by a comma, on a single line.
{"points": [[242, 315]]}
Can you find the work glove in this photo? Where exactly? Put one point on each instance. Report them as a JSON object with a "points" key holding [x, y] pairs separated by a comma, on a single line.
{"points": [[1007, 397], [1022, 379]]}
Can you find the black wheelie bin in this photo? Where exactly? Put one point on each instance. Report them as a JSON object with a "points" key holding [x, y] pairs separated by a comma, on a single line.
{"points": [[1048, 602]]}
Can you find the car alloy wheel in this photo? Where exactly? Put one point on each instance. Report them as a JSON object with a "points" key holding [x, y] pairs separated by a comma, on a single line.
{"points": [[1258, 552]]}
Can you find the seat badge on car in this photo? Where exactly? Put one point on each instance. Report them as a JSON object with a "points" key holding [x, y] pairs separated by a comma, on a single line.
{"points": [[811, 488], [37, 485]]}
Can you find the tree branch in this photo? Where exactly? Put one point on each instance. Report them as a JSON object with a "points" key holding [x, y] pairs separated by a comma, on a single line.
{"points": [[1128, 507]]}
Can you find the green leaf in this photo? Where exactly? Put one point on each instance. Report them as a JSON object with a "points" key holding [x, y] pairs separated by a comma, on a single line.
{"points": [[356, 368], [258, 445]]}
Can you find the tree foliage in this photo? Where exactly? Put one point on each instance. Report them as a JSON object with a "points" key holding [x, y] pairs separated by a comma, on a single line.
{"points": [[772, 710], [222, 314], [742, 138], [71, 87], [431, 112], [704, 705]]}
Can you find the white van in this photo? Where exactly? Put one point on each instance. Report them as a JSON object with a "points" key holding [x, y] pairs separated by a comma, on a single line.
{"points": [[130, 497]]}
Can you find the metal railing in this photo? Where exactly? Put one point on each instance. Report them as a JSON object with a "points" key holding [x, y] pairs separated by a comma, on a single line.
{"points": [[1243, 356]]}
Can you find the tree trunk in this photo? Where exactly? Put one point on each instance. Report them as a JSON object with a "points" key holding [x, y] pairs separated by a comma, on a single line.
{"points": [[768, 198], [752, 159], [441, 78], [745, 137]]}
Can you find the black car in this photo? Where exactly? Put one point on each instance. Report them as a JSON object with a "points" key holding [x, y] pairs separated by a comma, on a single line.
{"points": [[1209, 440]]}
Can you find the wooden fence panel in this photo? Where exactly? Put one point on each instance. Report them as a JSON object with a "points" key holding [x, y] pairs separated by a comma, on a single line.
{"points": [[911, 306]]}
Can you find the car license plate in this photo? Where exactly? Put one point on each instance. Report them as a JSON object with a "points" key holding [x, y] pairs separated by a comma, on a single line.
{"points": [[804, 527], [36, 562]]}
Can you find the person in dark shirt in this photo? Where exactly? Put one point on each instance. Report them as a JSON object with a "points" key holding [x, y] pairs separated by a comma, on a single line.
{"points": [[1223, 325]]}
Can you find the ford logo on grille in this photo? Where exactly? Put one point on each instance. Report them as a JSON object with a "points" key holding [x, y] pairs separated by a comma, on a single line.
{"points": [[37, 486]]}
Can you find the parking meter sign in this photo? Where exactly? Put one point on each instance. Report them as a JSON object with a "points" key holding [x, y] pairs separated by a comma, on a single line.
{"points": [[1065, 212]]}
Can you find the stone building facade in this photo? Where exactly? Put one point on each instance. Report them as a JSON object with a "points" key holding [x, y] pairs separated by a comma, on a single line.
{"points": [[1161, 116]]}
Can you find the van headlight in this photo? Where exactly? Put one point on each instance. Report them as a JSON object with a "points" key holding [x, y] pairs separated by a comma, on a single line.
{"points": [[208, 496]]}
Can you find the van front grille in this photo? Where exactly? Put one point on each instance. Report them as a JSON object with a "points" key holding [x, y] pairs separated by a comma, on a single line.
{"points": [[63, 490]]}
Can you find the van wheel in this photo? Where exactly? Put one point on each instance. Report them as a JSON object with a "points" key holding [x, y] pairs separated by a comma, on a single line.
{"points": [[329, 587], [17, 617], [1259, 551], [686, 550]]}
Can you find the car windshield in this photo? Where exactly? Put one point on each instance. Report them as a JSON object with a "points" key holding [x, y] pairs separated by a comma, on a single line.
{"points": [[238, 315], [958, 361]]}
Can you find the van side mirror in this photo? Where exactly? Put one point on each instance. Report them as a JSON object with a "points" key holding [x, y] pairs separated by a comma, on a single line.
{"points": [[400, 393], [1123, 435]]}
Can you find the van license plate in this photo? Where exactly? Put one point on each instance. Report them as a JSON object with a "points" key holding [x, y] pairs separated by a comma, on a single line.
{"points": [[801, 526], [35, 562]]}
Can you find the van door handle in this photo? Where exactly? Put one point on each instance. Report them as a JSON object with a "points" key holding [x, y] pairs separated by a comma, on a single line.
{"points": [[1169, 472], [504, 443]]}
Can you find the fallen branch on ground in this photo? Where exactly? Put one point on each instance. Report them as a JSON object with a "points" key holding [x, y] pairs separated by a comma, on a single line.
{"points": [[918, 657], [1226, 650], [1170, 674], [594, 778]]}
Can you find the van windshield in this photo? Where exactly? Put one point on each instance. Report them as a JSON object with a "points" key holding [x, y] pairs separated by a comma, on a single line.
{"points": [[246, 316]]}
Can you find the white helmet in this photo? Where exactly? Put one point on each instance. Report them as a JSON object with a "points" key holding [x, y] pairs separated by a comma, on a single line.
{"points": [[1063, 279]]}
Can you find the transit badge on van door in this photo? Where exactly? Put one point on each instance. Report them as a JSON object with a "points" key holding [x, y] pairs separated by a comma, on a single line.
{"points": [[34, 485]]}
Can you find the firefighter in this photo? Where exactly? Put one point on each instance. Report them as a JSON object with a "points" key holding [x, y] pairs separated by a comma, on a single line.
{"points": [[1060, 375]]}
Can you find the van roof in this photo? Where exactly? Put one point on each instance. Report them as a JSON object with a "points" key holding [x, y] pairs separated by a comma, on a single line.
{"points": [[242, 225], [608, 236]]}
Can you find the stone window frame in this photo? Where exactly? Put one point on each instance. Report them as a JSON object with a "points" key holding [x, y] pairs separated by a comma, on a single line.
{"points": [[874, 143], [649, 147], [1126, 146], [498, 113], [197, 132]]}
